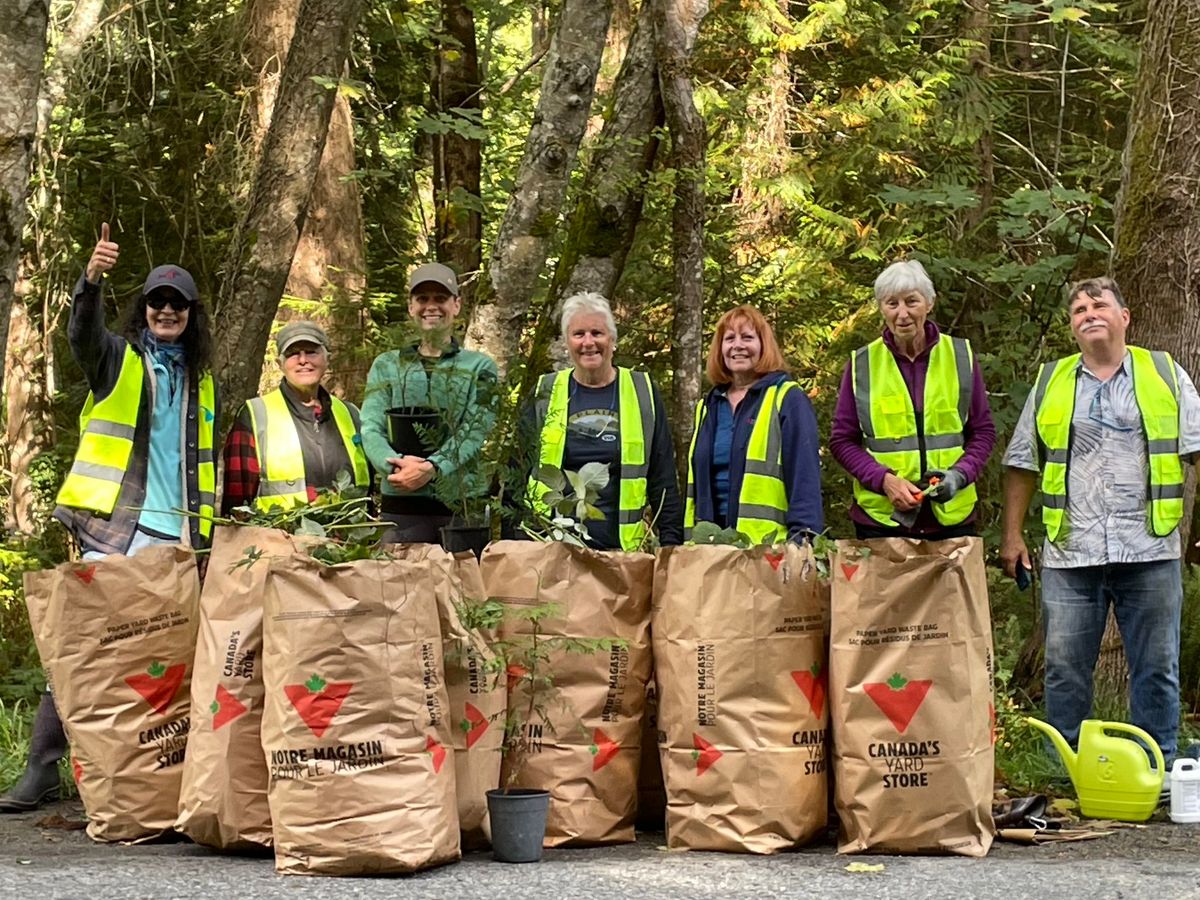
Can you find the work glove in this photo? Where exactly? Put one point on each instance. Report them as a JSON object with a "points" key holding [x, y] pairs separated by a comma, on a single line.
{"points": [[950, 482]]}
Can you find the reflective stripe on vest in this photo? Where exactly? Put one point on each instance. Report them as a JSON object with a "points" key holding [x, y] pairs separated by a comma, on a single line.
{"points": [[762, 500], [280, 458], [1157, 393], [635, 421], [206, 475], [888, 421], [107, 430]]}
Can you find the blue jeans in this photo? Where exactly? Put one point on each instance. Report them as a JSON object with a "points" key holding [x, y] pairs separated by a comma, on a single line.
{"points": [[1147, 598]]}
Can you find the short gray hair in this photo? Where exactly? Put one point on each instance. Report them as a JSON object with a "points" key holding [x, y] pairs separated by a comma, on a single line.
{"points": [[586, 303], [902, 277], [1094, 287]]}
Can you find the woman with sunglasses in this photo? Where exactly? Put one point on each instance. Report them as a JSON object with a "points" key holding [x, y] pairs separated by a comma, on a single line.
{"points": [[145, 449]]}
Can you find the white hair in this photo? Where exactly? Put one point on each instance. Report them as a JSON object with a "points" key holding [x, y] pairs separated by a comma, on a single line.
{"points": [[902, 277], [588, 302]]}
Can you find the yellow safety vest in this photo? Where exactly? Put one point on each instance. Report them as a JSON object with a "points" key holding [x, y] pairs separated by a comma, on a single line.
{"points": [[762, 500], [1157, 392], [277, 446], [635, 420], [889, 422], [106, 434]]}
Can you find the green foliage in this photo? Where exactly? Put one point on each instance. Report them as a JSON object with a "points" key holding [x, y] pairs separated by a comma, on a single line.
{"points": [[21, 677], [711, 533], [570, 501], [524, 659]]}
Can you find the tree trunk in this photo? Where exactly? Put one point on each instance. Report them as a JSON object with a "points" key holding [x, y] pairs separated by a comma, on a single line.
{"points": [[265, 243], [269, 27], [331, 259], [531, 218], [978, 28], [329, 267], [1156, 256], [766, 154], [29, 427], [22, 58], [677, 23], [610, 200], [458, 159]]}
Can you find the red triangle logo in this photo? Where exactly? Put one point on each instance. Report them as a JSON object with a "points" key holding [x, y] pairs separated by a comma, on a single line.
{"points": [[318, 701], [437, 751], [475, 724], [602, 749], [849, 569], [225, 708], [704, 753], [898, 698], [774, 559], [86, 573], [813, 683]]}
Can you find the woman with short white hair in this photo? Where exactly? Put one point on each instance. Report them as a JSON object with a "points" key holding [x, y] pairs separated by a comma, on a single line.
{"points": [[912, 423], [596, 411]]}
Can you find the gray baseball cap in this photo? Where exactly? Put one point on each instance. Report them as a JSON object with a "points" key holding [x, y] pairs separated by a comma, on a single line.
{"points": [[173, 277], [436, 273], [295, 332]]}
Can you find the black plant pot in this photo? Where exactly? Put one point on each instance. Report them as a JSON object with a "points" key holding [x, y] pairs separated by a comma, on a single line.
{"points": [[456, 538], [518, 818], [403, 433]]}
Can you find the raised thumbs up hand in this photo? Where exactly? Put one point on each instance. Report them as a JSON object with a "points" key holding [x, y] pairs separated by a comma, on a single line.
{"points": [[104, 257]]}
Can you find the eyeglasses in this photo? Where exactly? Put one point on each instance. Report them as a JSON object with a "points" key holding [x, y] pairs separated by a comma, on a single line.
{"points": [[177, 302]]}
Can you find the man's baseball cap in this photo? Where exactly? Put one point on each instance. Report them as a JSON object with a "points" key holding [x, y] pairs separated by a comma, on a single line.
{"points": [[173, 277], [436, 273], [295, 332]]}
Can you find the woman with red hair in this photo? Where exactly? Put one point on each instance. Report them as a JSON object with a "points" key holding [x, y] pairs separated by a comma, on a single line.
{"points": [[754, 463]]}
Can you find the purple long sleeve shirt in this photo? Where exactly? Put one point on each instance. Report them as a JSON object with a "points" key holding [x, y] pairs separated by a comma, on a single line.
{"points": [[846, 441]]}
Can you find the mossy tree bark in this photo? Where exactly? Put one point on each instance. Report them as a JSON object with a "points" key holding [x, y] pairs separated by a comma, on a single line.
{"points": [[532, 215], [28, 375], [329, 266], [264, 246], [1156, 257], [22, 57], [457, 154], [677, 22], [610, 200]]}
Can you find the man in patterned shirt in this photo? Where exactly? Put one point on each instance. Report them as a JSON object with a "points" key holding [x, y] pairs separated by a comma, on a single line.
{"points": [[1109, 429]]}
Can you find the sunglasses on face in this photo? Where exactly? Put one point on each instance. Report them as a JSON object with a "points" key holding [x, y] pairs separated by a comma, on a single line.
{"points": [[177, 302]]}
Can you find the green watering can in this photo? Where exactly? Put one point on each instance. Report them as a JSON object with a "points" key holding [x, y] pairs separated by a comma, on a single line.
{"points": [[1113, 776]]}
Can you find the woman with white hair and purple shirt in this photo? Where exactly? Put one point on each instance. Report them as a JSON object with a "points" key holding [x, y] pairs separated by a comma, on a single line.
{"points": [[598, 412], [912, 423]]}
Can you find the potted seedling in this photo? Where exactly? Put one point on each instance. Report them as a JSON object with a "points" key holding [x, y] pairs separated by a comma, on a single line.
{"points": [[524, 657], [463, 485]]}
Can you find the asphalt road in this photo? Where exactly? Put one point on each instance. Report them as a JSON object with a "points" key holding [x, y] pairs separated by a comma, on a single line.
{"points": [[1160, 863]]}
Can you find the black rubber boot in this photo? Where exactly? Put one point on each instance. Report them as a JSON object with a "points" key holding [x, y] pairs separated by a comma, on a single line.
{"points": [[47, 745]]}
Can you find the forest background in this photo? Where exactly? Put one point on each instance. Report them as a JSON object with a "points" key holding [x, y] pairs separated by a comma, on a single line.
{"points": [[679, 156]]}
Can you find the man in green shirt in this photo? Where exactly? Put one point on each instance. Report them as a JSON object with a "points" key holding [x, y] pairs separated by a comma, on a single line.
{"points": [[432, 375]]}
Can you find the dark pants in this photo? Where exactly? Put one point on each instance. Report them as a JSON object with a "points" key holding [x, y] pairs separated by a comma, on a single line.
{"points": [[414, 529], [866, 532]]}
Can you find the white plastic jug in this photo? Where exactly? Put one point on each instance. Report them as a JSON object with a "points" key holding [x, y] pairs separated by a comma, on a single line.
{"points": [[1185, 790]]}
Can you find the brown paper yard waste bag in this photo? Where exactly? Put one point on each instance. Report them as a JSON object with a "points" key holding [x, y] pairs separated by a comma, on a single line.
{"points": [[477, 694], [117, 638], [586, 749], [911, 685], [740, 660], [223, 802], [356, 725]]}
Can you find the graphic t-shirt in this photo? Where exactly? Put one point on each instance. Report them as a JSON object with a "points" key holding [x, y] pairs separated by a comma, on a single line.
{"points": [[594, 435]]}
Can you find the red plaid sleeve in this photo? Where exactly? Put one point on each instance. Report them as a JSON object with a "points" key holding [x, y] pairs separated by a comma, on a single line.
{"points": [[241, 468]]}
